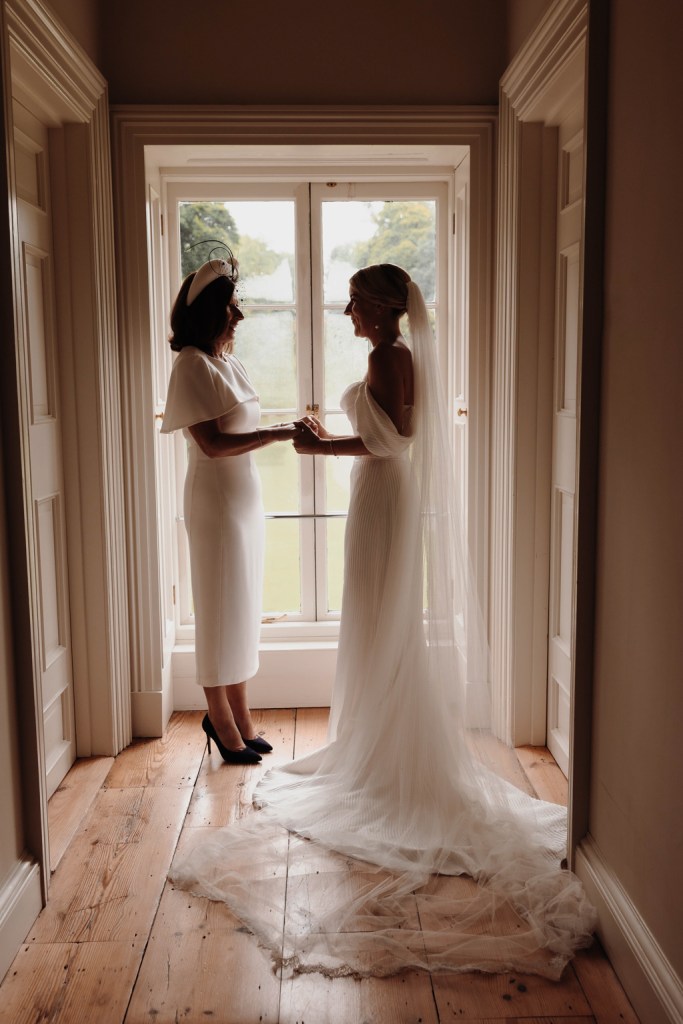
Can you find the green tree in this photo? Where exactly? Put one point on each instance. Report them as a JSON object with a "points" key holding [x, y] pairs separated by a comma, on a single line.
{"points": [[405, 235], [200, 221], [256, 258]]}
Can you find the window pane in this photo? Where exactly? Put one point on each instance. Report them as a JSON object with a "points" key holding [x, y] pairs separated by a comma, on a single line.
{"points": [[266, 344], [259, 232], [335, 562], [357, 234], [265, 249], [345, 355], [279, 466], [282, 577]]}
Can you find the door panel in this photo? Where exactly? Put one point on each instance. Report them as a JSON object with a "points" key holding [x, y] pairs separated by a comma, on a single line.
{"points": [[39, 364], [565, 433]]}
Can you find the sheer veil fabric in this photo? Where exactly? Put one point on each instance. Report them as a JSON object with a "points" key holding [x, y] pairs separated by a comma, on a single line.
{"points": [[395, 846]]}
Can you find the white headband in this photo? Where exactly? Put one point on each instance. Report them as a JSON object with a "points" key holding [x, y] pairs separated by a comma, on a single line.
{"points": [[207, 273]]}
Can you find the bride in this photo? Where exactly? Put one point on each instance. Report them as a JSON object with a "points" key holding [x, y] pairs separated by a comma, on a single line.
{"points": [[403, 848]]}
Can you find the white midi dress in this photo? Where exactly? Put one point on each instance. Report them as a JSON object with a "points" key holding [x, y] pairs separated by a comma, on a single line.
{"points": [[223, 513]]}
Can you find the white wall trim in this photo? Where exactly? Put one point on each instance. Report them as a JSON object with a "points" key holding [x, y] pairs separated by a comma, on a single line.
{"points": [[54, 76], [306, 669], [20, 903], [650, 981], [133, 129], [544, 79]]}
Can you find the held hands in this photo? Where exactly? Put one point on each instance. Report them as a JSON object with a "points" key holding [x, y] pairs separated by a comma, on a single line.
{"points": [[283, 431], [309, 433]]}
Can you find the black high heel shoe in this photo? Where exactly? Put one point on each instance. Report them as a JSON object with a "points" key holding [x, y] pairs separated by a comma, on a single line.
{"points": [[258, 744], [245, 756]]}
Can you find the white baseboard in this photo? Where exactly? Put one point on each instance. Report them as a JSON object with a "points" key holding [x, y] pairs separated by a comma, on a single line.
{"points": [[148, 713], [20, 903], [290, 676], [648, 978]]}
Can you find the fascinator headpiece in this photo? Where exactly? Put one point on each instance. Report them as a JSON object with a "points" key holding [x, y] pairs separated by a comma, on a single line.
{"points": [[223, 265]]}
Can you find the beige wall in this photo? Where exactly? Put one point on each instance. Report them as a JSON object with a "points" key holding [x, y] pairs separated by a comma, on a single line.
{"points": [[522, 18], [305, 51], [81, 18], [637, 804]]}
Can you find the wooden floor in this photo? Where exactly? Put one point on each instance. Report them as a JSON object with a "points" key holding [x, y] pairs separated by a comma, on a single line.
{"points": [[116, 943]]}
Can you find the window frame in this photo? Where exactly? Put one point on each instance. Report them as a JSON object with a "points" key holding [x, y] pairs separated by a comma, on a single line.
{"points": [[307, 191]]}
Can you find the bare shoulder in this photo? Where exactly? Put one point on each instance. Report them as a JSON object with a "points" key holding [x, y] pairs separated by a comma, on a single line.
{"points": [[390, 358]]}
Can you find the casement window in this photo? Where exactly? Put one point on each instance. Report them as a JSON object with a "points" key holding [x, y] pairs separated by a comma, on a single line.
{"points": [[298, 243]]}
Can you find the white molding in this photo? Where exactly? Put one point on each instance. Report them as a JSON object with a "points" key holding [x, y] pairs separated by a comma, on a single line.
{"points": [[289, 676], [133, 129], [20, 904], [532, 78], [54, 74], [544, 81], [646, 974]]}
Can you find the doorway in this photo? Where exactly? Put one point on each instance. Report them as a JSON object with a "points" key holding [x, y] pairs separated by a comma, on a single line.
{"points": [[299, 231]]}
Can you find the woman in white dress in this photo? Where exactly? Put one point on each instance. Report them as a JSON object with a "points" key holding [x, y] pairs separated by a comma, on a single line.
{"points": [[210, 397], [404, 849]]}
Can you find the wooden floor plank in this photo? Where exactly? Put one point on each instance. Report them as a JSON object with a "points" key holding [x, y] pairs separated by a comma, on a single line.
{"points": [[475, 997], [109, 899], [223, 792], [70, 802], [499, 758], [311, 730], [173, 760], [201, 964], [609, 1002], [313, 999], [110, 880], [544, 774], [542, 1020], [71, 983]]}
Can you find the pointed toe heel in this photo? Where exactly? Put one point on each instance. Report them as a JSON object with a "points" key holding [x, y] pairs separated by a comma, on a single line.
{"points": [[243, 756], [258, 744]]}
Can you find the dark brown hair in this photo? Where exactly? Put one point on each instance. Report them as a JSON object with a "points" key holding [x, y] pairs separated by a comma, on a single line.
{"points": [[205, 320]]}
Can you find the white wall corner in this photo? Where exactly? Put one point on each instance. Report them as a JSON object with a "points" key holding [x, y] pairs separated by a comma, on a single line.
{"points": [[20, 903], [648, 978]]}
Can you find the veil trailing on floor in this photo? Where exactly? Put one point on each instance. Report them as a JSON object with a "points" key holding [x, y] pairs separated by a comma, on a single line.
{"points": [[395, 845]]}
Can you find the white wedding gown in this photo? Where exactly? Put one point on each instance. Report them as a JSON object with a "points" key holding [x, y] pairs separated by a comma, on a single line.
{"points": [[404, 849]]}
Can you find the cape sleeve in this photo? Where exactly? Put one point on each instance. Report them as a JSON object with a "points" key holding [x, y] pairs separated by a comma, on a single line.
{"points": [[377, 430], [197, 392]]}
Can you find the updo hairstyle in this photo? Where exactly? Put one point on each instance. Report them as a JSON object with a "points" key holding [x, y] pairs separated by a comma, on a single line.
{"points": [[385, 284]]}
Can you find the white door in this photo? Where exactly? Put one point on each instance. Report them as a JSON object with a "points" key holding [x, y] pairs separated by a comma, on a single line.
{"points": [[40, 387], [563, 506]]}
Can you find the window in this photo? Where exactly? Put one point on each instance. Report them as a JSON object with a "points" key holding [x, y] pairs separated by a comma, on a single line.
{"points": [[297, 244]]}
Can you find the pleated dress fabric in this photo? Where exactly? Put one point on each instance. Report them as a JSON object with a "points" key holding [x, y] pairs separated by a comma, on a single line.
{"points": [[223, 512]]}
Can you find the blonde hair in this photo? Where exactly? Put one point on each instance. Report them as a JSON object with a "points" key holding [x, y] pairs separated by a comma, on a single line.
{"points": [[384, 283]]}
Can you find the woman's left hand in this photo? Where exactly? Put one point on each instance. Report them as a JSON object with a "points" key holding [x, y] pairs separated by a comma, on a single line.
{"points": [[306, 441]]}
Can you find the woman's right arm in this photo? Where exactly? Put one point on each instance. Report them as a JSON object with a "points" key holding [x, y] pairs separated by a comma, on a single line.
{"points": [[217, 445]]}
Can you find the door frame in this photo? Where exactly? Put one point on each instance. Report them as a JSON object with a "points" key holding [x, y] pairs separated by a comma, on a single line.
{"points": [[535, 90], [136, 127], [45, 69]]}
